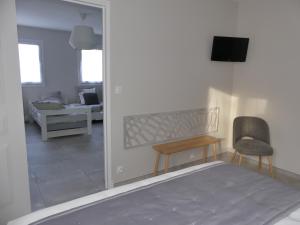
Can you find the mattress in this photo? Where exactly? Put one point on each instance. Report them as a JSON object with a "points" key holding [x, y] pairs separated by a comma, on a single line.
{"points": [[210, 194], [97, 108]]}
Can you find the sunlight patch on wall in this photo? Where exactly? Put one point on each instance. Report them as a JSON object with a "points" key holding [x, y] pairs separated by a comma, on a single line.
{"points": [[222, 100]]}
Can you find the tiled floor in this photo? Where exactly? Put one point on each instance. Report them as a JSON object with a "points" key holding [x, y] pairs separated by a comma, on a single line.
{"points": [[66, 168]]}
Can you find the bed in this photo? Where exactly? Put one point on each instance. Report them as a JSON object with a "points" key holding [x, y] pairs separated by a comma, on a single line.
{"points": [[96, 110], [69, 120], [211, 194]]}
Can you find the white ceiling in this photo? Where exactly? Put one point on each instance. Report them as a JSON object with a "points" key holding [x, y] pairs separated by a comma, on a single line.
{"points": [[56, 14]]}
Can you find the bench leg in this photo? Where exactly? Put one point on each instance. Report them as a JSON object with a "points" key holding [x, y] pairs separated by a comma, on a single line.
{"points": [[167, 161], [205, 151], [155, 171], [214, 148]]}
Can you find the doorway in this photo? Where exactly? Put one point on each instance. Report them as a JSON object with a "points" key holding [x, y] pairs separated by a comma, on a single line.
{"points": [[66, 145]]}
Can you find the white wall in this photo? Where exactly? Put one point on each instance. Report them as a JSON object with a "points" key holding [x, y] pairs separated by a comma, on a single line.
{"points": [[160, 55], [14, 187], [267, 85], [60, 63]]}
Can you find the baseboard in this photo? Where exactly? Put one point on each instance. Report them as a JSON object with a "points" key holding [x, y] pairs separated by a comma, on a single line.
{"points": [[225, 155], [279, 172], [173, 168]]}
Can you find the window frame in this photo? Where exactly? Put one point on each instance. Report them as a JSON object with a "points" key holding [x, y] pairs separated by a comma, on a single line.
{"points": [[41, 58], [79, 55]]}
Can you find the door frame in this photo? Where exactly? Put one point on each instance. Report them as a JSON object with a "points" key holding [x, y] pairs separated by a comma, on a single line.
{"points": [[105, 6]]}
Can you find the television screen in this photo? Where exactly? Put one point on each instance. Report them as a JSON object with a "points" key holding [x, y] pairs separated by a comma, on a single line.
{"points": [[229, 49]]}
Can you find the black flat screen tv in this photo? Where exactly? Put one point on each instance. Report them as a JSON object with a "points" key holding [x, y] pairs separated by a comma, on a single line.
{"points": [[229, 49]]}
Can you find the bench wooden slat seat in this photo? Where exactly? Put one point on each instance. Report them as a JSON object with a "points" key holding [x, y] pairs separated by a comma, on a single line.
{"points": [[170, 148]]}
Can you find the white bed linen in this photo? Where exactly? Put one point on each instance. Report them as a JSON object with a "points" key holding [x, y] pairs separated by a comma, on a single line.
{"points": [[292, 219]]}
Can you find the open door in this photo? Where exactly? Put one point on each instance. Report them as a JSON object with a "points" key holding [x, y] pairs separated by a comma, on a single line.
{"points": [[14, 189], [14, 185]]}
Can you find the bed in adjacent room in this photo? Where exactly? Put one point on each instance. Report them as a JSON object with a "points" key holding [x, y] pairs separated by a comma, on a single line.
{"points": [[66, 120], [210, 194]]}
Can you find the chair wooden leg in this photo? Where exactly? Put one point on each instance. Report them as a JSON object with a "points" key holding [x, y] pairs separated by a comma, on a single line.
{"points": [[241, 159], [234, 156], [167, 161], [270, 166], [155, 171], [260, 163]]}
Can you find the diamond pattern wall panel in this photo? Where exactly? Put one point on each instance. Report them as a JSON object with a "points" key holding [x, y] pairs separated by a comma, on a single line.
{"points": [[149, 129]]}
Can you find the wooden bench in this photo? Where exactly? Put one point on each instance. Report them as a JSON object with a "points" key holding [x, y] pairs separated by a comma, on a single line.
{"points": [[170, 148]]}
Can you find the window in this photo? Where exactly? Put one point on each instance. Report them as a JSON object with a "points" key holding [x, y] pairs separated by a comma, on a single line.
{"points": [[30, 64], [91, 66]]}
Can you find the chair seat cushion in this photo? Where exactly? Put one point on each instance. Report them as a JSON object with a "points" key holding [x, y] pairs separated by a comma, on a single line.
{"points": [[253, 147]]}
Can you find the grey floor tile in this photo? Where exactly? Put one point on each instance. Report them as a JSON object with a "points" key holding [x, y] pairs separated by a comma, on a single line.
{"points": [[65, 168], [90, 164], [56, 171], [45, 154], [73, 186], [37, 201], [97, 177]]}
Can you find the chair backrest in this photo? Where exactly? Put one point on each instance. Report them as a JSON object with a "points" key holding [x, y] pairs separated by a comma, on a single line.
{"points": [[253, 127]]}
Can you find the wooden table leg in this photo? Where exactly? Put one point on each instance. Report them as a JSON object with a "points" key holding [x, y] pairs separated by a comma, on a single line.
{"points": [[205, 151], [155, 171], [214, 148], [167, 161]]}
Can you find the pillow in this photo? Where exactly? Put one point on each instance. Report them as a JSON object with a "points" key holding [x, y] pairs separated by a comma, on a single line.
{"points": [[88, 90], [40, 105], [53, 97], [91, 98]]}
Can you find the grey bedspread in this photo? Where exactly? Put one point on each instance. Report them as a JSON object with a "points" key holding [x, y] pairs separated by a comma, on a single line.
{"points": [[220, 195]]}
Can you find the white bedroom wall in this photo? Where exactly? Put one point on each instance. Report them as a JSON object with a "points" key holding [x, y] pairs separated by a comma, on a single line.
{"points": [[267, 85], [160, 55], [60, 65]]}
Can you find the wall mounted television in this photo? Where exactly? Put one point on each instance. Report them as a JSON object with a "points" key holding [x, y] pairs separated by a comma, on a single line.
{"points": [[229, 49]]}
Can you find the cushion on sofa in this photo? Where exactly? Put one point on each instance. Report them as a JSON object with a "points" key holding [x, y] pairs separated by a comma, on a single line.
{"points": [[96, 87], [90, 98], [83, 91]]}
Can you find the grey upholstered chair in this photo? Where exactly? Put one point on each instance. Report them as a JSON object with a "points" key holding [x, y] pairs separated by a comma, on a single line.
{"points": [[251, 136]]}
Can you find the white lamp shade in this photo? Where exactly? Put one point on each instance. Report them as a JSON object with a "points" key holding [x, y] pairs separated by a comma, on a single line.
{"points": [[83, 38]]}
